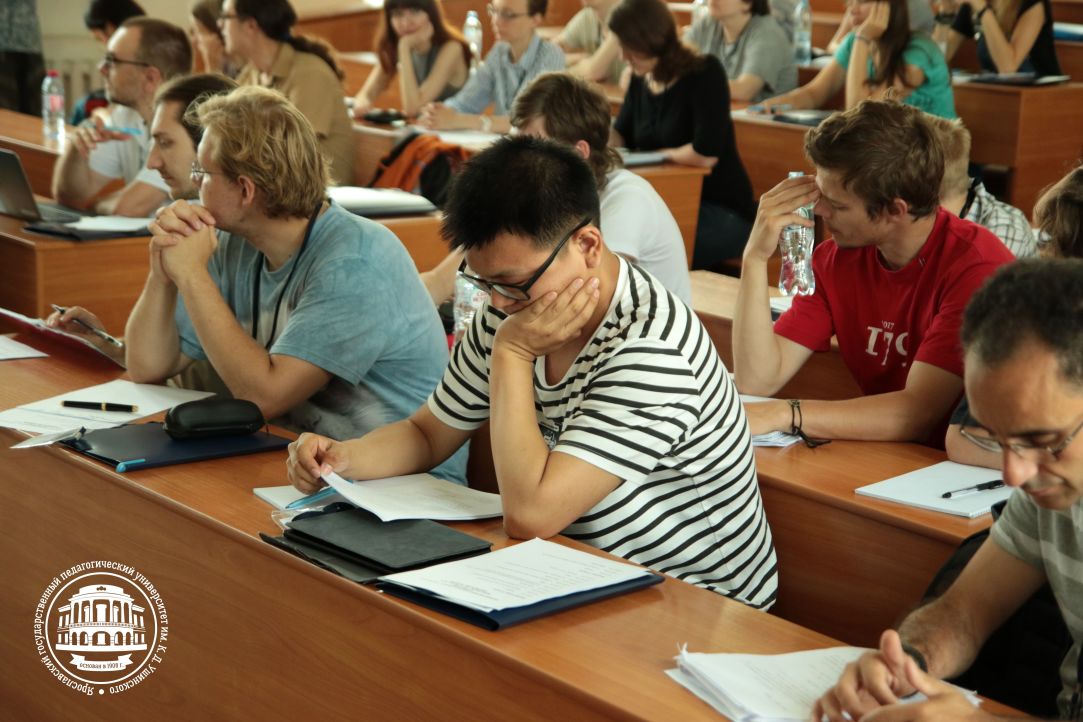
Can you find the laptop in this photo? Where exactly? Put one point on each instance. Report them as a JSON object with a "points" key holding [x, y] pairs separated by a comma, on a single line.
{"points": [[17, 198]]}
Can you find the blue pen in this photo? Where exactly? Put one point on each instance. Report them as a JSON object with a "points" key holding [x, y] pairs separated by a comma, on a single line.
{"points": [[126, 465], [306, 500]]}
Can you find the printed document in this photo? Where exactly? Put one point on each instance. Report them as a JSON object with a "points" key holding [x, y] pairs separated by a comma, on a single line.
{"points": [[10, 349], [417, 496], [527, 573]]}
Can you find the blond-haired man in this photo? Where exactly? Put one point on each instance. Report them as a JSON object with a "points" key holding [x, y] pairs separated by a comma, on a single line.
{"points": [[312, 313]]}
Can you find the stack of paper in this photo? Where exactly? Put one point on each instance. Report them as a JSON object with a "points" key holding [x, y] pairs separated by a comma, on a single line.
{"points": [[766, 688], [925, 488], [518, 583], [634, 158], [418, 496], [118, 224], [49, 416], [374, 202]]}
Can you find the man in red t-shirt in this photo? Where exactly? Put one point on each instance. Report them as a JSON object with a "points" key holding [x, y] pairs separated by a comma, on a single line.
{"points": [[891, 284]]}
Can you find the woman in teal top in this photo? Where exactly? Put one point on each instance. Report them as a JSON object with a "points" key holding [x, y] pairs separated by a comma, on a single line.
{"points": [[879, 56]]}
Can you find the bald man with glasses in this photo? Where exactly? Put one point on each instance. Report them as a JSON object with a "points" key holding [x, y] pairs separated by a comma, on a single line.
{"points": [[141, 55]]}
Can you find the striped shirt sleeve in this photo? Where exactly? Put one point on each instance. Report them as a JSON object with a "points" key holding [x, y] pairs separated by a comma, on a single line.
{"points": [[461, 400], [634, 412]]}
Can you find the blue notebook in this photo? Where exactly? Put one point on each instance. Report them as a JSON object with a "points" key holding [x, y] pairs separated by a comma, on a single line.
{"points": [[142, 446], [501, 618]]}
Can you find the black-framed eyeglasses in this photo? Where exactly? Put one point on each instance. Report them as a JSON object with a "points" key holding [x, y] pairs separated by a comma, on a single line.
{"points": [[506, 15], [198, 173], [110, 60], [521, 291], [980, 437]]}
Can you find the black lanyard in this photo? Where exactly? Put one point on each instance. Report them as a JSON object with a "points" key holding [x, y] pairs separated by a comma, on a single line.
{"points": [[282, 294], [971, 193]]}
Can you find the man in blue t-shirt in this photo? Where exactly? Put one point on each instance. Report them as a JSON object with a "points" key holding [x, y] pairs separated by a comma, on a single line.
{"points": [[316, 315]]}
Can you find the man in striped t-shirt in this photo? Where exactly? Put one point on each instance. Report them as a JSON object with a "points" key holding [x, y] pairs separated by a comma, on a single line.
{"points": [[612, 417], [1024, 377]]}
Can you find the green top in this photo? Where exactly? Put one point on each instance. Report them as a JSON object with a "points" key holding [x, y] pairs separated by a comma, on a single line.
{"points": [[934, 96]]}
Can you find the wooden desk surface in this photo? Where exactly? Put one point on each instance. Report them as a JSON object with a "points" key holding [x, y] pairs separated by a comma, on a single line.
{"points": [[21, 133], [245, 616], [105, 276]]}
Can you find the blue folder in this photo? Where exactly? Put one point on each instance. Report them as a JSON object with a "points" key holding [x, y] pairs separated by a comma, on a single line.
{"points": [[142, 446], [501, 618]]}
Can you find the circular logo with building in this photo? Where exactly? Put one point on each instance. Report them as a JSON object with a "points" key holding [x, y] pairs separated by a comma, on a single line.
{"points": [[101, 627]]}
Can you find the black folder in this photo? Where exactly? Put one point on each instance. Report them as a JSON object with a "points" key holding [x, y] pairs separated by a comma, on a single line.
{"points": [[358, 545], [142, 446], [501, 618]]}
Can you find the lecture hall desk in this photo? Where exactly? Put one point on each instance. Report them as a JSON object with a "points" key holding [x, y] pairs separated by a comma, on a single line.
{"points": [[849, 566], [1036, 132], [258, 634]]}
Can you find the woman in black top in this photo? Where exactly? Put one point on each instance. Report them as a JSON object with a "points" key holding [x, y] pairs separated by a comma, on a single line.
{"points": [[678, 102], [1012, 35]]}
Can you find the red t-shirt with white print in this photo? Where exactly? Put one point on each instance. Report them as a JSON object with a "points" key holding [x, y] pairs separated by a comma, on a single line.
{"points": [[885, 320]]}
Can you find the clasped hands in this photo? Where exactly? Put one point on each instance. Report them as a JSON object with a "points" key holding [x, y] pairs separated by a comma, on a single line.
{"points": [[182, 241], [548, 322]]}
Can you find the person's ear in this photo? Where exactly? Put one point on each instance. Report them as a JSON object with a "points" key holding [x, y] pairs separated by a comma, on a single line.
{"points": [[583, 148], [248, 190], [898, 209], [589, 242]]}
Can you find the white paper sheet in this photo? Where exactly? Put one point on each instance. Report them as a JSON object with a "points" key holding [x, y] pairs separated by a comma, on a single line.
{"points": [[39, 325], [282, 496], [120, 224], [767, 687], [10, 349], [923, 488], [379, 201], [48, 416], [418, 496], [527, 573]]}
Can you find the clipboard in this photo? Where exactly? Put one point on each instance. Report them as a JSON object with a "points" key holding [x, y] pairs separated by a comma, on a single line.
{"points": [[144, 446]]}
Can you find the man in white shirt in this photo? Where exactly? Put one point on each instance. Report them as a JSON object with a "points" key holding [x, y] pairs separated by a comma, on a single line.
{"points": [[141, 55]]}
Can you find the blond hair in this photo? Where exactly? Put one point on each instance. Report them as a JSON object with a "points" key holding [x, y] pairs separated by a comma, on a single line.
{"points": [[955, 142], [262, 136]]}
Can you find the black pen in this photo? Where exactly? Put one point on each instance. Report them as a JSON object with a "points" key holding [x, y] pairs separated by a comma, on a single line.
{"points": [[967, 490], [99, 406], [96, 331]]}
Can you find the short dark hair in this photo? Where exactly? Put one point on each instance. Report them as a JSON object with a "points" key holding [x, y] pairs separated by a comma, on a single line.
{"points": [[520, 185], [537, 7], [163, 45], [100, 14], [1059, 215], [1034, 299], [190, 90], [884, 150], [573, 110], [206, 13], [759, 7]]}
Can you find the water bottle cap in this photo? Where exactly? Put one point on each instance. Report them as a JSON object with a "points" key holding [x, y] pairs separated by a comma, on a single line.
{"points": [[53, 73], [471, 13]]}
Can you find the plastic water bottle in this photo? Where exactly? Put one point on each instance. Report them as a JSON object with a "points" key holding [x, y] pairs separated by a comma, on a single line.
{"points": [[796, 277], [699, 10], [52, 107], [474, 38], [802, 33], [468, 301]]}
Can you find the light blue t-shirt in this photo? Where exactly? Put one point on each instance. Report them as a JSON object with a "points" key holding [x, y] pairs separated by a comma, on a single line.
{"points": [[356, 308], [934, 96]]}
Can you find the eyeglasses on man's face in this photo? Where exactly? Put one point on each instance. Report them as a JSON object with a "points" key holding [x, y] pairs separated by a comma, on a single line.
{"points": [[521, 291], [1036, 453], [199, 173], [505, 15], [226, 17], [111, 60]]}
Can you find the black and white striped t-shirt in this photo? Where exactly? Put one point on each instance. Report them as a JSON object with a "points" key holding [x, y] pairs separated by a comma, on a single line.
{"points": [[648, 400]]}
